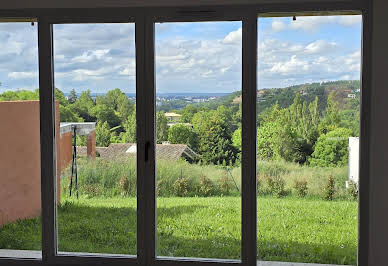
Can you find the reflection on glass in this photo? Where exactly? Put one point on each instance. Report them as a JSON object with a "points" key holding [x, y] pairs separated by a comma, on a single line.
{"points": [[308, 120], [198, 134]]}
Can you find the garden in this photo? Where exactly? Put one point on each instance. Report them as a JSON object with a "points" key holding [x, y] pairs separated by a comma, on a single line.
{"points": [[305, 214]]}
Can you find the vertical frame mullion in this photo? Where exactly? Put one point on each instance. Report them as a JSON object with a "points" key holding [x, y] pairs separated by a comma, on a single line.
{"points": [[249, 200], [364, 160], [145, 112], [47, 140]]}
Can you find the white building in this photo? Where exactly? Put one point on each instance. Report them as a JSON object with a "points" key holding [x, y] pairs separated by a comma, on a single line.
{"points": [[354, 158]]}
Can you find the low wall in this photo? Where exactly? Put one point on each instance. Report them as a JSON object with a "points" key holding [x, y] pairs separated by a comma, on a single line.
{"points": [[20, 176]]}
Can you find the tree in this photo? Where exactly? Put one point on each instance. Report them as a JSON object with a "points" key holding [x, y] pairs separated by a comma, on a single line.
{"points": [[215, 137], [331, 148], [67, 114], [331, 119], [60, 97], [104, 113], [188, 113], [236, 138], [84, 105], [102, 134], [183, 134], [129, 135], [161, 127], [72, 97]]}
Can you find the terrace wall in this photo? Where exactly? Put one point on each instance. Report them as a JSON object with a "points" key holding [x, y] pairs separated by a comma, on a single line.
{"points": [[20, 176]]}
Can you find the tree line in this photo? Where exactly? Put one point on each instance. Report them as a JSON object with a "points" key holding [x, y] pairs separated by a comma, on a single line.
{"points": [[301, 132]]}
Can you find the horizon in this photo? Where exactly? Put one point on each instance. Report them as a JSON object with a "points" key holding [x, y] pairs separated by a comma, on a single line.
{"points": [[184, 92]]}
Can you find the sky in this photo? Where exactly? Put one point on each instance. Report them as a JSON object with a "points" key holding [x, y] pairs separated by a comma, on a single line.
{"points": [[190, 57]]}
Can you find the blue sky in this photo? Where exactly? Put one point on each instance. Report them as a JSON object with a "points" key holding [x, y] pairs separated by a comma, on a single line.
{"points": [[190, 57]]}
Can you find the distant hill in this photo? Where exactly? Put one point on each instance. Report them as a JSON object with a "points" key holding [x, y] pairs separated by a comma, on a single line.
{"points": [[285, 96]]}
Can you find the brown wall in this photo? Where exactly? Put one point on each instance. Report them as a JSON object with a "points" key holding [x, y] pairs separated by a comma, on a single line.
{"points": [[20, 160], [66, 149]]}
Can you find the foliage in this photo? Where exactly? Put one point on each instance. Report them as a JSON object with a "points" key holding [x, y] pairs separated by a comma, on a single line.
{"points": [[215, 138], [105, 113], [102, 134], [72, 97], [236, 139], [301, 188], [181, 186], [130, 128], [183, 134], [225, 185], [125, 185], [276, 186], [161, 127], [67, 114], [353, 190], [329, 188], [331, 149], [206, 187]]}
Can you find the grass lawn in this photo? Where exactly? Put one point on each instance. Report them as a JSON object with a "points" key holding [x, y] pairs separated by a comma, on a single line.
{"points": [[290, 229]]}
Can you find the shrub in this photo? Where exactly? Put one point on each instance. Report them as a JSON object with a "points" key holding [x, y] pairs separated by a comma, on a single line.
{"points": [[92, 190], [260, 185], [301, 188], [124, 185], [206, 187], [181, 186], [353, 190], [329, 188], [331, 149], [276, 186], [224, 185], [163, 188]]}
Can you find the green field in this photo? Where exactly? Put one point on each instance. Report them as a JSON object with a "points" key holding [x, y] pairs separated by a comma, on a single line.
{"points": [[289, 229]]}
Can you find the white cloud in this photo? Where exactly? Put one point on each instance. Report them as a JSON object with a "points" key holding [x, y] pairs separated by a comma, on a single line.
{"points": [[278, 25], [234, 37], [312, 23], [320, 46], [22, 75], [91, 55]]}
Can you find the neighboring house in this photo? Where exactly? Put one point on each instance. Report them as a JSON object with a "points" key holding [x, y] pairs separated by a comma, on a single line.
{"points": [[163, 151], [352, 96], [172, 117]]}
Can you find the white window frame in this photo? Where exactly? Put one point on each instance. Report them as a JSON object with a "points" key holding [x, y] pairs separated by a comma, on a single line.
{"points": [[145, 19]]}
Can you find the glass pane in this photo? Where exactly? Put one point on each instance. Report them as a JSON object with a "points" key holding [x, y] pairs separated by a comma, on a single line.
{"points": [[308, 122], [20, 194], [95, 78], [198, 129]]}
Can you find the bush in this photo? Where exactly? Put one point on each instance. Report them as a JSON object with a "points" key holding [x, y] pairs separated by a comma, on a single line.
{"points": [[276, 186], [331, 149], [225, 185], [181, 186], [353, 190], [91, 191], [301, 188], [125, 186], [206, 187], [260, 185], [329, 189]]}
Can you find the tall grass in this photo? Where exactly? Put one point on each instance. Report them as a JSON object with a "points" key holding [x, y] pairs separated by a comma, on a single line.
{"points": [[108, 178]]}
